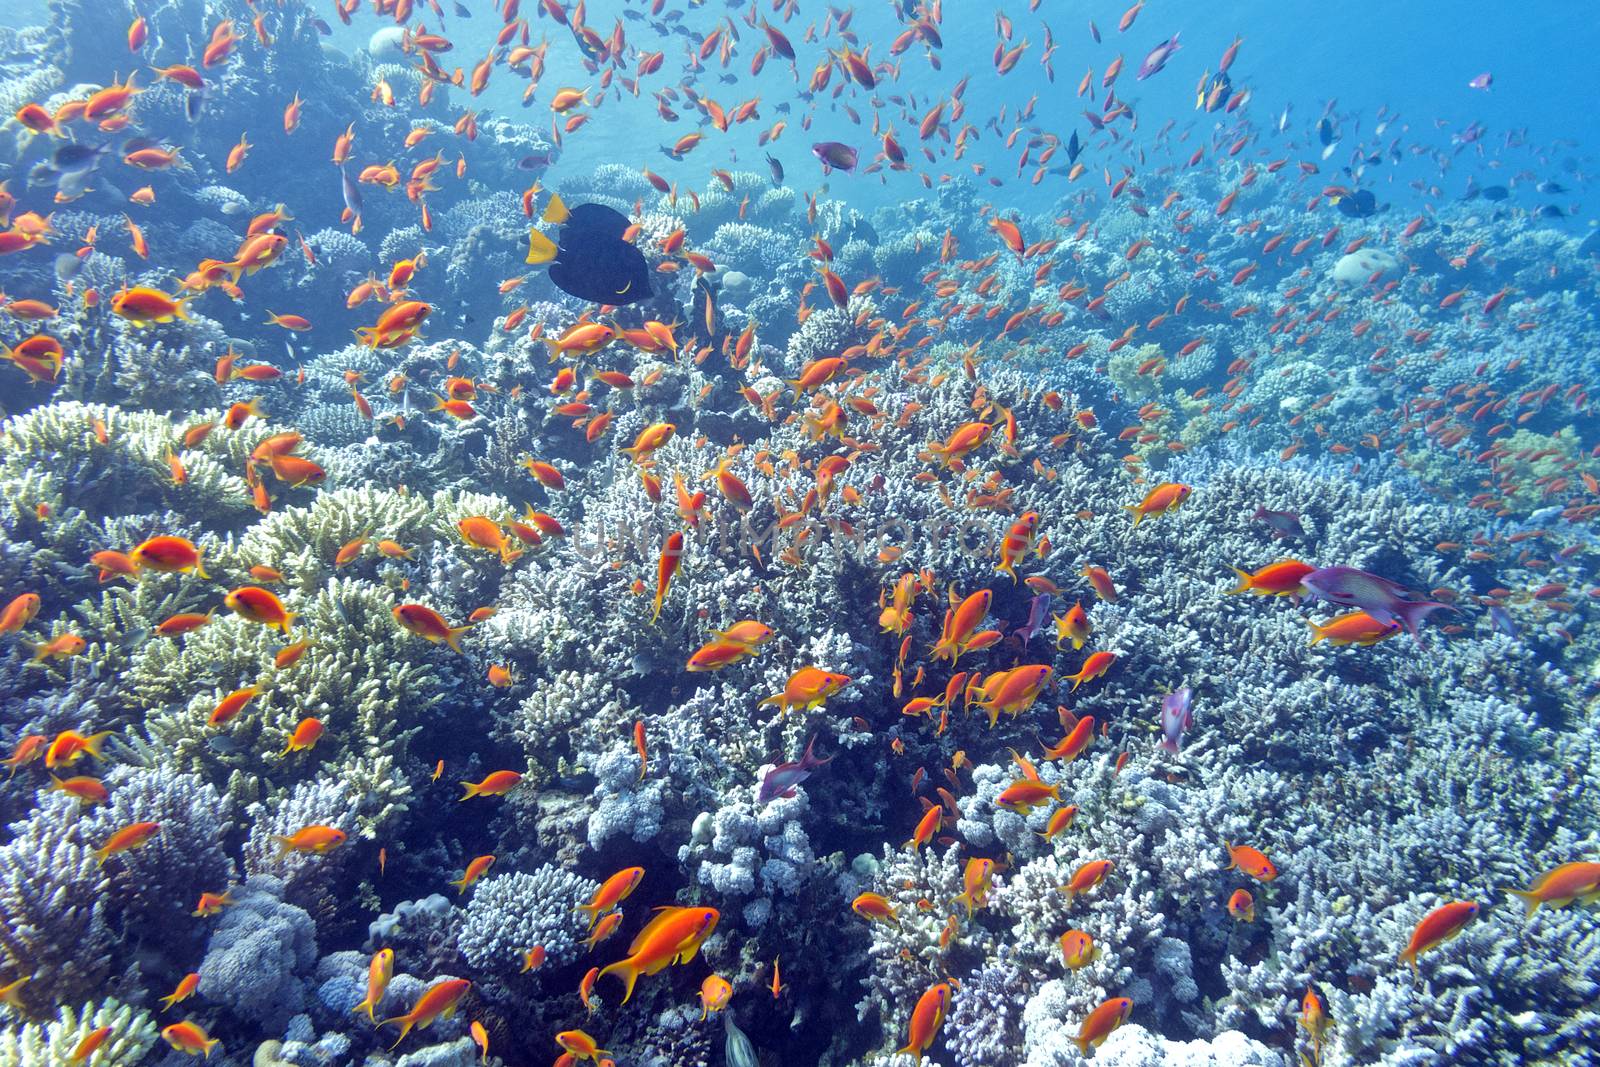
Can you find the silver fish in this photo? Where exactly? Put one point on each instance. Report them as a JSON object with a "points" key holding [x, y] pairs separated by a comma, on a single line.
{"points": [[737, 1051]]}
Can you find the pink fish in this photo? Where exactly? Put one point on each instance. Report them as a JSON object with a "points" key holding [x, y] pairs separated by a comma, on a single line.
{"points": [[1482, 81]]}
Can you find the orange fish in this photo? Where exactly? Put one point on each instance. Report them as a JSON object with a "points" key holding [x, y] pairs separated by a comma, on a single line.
{"points": [[429, 625], [1250, 861], [259, 605], [1104, 1019], [976, 880], [807, 688], [874, 908], [305, 737], [129, 837], [88, 790], [673, 936], [1163, 499], [495, 784], [926, 1019], [1073, 626], [316, 839], [19, 612], [439, 1002], [70, 746], [1077, 949], [190, 1038], [169, 555], [184, 990], [231, 705], [1086, 877], [1242, 906], [1437, 927], [475, 870], [1275, 579], [1562, 885], [1096, 665], [666, 567], [715, 994], [1353, 628], [379, 971], [927, 826], [612, 891]]}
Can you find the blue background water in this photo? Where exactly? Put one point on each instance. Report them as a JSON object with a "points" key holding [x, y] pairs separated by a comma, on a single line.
{"points": [[1415, 60]]}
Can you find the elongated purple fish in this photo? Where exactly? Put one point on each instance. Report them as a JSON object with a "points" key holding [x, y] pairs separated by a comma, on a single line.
{"points": [[1177, 716], [1379, 597], [835, 156], [1281, 523], [1158, 57], [781, 780], [1038, 611]]}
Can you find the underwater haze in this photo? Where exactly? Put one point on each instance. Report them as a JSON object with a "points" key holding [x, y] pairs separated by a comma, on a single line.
{"points": [[690, 534]]}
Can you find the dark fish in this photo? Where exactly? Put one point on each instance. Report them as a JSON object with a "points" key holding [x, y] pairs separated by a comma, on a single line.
{"points": [[1281, 523], [322, 27], [539, 160], [1325, 132], [68, 266], [1551, 188], [1074, 147], [1590, 246], [1494, 192], [1552, 211], [1358, 205], [461, 10], [74, 158], [776, 168], [193, 105], [834, 155], [594, 263]]}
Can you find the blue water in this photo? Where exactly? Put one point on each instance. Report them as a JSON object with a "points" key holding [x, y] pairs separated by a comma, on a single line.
{"points": [[979, 608]]}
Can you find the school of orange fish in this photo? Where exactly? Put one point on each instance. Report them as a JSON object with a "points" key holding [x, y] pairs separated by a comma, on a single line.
{"points": [[991, 459]]}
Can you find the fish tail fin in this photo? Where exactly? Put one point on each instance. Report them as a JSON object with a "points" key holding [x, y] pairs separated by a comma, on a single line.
{"points": [[1138, 515], [288, 621], [1167, 745], [625, 970], [472, 790], [181, 307], [285, 844], [405, 1022], [1246, 583], [168, 1001], [95, 744], [1531, 899], [366, 1005], [211, 1044], [452, 636], [199, 566], [1318, 633], [1412, 612]]}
